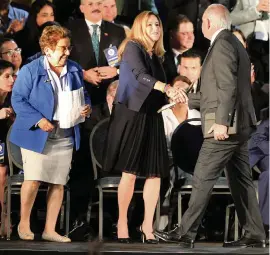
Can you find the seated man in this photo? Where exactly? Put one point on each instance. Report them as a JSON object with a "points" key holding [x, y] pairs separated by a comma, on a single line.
{"points": [[11, 18], [172, 118]]}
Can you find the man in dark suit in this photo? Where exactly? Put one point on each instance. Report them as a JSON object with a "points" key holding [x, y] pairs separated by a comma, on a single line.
{"points": [[194, 10], [181, 39], [90, 37], [225, 88]]}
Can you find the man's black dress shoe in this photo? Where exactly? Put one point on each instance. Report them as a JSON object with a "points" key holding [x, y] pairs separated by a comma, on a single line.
{"points": [[245, 242], [186, 242], [171, 237], [124, 240]]}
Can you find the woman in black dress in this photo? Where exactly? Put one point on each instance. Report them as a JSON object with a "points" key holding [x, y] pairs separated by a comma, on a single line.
{"points": [[136, 144], [6, 119]]}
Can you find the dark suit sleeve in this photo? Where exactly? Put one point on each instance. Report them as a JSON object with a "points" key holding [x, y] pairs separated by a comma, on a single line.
{"points": [[194, 100], [225, 65], [136, 60]]}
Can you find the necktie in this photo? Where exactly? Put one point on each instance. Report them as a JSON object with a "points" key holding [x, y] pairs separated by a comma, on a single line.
{"points": [[95, 41], [179, 59]]}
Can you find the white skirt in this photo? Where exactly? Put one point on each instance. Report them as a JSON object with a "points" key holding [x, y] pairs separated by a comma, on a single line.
{"points": [[53, 165]]}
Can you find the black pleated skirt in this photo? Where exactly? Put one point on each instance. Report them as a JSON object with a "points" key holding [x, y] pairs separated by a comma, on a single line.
{"points": [[136, 141]]}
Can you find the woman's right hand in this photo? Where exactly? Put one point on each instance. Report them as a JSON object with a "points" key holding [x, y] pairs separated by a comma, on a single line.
{"points": [[176, 95], [46, 125], [5, 113]]}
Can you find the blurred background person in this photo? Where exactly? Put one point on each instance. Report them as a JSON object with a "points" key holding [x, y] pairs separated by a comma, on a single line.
{"points": [[109, 10], [180, 38], [12, 19], [6, 119], [252, 18], [136, 139], [109, 13], [46, 148], [190, 66], [240, 36], [10, 51], [41, 11]]}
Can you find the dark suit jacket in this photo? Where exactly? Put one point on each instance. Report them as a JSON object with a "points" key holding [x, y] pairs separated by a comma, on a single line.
{"points": [[99, 113], [225, 83], [83, 52], [135, 79], [258, 145], [169, 66], [194, 10]]}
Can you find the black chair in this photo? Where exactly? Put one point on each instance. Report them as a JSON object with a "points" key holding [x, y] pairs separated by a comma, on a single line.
{"points": [[106, 184], [186, 143], [14, 183]]}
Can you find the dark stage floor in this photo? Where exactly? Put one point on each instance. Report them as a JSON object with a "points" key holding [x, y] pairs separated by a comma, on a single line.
{"points": [[40, 248]]}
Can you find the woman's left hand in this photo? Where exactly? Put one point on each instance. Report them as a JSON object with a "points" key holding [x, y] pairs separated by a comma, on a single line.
{"points": [[86, 111]]}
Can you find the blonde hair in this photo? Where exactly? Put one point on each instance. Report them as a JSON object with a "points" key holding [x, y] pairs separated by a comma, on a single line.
{"points": [[138, 34], [51, 35]]}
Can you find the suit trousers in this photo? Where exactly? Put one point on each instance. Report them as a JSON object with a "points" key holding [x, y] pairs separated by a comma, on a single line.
{"points": [[214, 157], [263, 187]]}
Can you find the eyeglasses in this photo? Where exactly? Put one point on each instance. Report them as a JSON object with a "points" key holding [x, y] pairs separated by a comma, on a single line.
{"points": [[65, 48], [10, 53]]}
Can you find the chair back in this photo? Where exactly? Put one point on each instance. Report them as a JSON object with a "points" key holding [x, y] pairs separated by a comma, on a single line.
{"points": [[14, 154], [186, 143], [96, 143]]}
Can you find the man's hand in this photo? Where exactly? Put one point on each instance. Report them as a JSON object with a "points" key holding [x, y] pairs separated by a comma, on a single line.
{"points": [[107, 72], [86, 110], [46, 125], [15, 26], [92, 76], [263, 6], [176, 95], [220, 132]]}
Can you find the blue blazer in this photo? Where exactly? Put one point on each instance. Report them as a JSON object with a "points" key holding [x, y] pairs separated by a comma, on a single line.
{"points": [[135, 78], [33, 99]]}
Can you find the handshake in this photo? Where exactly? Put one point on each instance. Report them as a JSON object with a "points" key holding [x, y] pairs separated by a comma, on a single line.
{"points": [[176, 95], [97, 74]]}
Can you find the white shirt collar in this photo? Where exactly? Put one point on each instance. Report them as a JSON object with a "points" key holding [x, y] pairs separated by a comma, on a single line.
{"points": [[175, 52], [215, 35], [90, 23]]}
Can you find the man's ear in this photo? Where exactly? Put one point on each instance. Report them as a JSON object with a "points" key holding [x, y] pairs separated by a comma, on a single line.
{"points": [[81, 8]]}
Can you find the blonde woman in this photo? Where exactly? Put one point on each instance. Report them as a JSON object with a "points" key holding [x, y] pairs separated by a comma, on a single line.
{"points": [[136, 143]]}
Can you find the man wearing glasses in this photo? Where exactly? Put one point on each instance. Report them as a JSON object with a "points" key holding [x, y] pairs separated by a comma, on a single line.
{"points": [[9, 51]]}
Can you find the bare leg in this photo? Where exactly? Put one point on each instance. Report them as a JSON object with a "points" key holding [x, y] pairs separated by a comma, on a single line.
{"points": [[125, 193], [150, 196], [28, 195], [54, 202]]}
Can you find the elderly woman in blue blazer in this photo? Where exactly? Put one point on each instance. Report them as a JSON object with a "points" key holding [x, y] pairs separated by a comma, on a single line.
{"points": [[46, 146]]}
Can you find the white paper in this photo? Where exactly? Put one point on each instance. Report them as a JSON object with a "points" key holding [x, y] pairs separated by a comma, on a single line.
{"points": [[70, 106]]}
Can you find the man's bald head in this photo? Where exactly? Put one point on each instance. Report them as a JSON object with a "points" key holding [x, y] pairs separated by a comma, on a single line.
{"points": [[215, 17]]}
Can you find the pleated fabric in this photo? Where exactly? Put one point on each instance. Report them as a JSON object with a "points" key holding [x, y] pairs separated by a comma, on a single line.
{"points": [[136, 141]]}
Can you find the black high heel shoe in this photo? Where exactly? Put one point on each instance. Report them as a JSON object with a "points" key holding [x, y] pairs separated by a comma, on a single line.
{"points": [[147, 241]]}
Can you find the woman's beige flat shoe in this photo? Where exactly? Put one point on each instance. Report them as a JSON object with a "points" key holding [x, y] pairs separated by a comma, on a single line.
{"points": [[25, 236], [59, 239]]}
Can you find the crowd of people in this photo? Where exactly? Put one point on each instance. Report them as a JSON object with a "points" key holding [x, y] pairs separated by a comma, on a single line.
{"points": [[196, 57]]}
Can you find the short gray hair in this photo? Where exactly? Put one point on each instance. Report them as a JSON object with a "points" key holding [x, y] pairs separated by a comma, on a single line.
{"points": [[219, 16]]}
